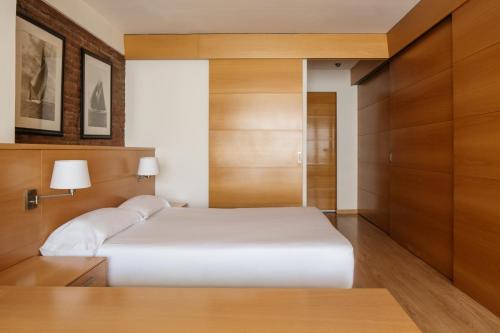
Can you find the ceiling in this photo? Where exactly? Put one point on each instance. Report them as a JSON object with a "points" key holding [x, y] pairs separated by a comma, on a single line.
{"points": [[253, 16]]}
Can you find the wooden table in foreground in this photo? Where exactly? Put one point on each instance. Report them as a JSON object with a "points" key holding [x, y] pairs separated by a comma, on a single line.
{"points": [[59, 309]]}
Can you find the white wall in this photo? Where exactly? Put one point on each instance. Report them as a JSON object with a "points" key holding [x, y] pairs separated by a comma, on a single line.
{"points": [[91, 20], [167, 108], [339, 81], [7, 69]]}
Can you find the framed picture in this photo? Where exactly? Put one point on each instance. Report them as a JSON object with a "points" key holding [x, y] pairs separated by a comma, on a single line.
{"points": [[96, 97], [39, 78]]}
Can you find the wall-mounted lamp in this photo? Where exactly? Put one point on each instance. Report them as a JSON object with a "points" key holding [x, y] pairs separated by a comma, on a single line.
{"points": [[66, 175], [148, 167]]}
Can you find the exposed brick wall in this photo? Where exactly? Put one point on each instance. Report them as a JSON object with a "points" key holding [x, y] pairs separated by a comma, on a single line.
{"points": [[76, 38]]}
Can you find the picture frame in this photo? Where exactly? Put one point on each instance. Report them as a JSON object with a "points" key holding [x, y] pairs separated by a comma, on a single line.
{"points": [[96, 96], [39, 78]]}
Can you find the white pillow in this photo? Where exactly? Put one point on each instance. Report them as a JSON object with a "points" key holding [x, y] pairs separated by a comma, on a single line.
{"points": [[84, 235], [145, 205]]}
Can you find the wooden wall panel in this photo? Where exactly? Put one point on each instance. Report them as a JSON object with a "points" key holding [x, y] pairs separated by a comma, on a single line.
{"points": [[255, 133], [160, 47], [426, 147], [421, 215], [256, 76], [426, 102], [476, 81], [374, 178], [477, 239], [255, 187], [22, 167], [477, 146], [421, 145], [254, 148], [428, 56], [420, 19], [475, 27], [19, 229], [373, 148], [374, 118], [375, 88], [256, 111], [256, 46], [374, 208]]}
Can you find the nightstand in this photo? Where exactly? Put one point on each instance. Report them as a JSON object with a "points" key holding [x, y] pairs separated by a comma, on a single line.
{"points": [[178, 204], [57, 271]]}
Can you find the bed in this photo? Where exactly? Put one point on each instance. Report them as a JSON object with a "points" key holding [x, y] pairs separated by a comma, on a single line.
{"points": [[207, 247], [254, 247]]}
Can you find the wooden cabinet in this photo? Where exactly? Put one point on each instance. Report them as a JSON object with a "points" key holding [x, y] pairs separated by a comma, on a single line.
{"points": [[57, 271]]}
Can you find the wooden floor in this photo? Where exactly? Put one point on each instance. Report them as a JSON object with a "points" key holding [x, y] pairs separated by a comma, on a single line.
{"points": [[427, 296]]}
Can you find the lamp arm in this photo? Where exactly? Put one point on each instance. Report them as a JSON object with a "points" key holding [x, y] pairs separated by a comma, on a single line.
{"points": [[70, 193], [32, 198]]}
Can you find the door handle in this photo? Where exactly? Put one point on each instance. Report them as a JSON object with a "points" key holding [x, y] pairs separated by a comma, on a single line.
{"points": [[299, 157]]}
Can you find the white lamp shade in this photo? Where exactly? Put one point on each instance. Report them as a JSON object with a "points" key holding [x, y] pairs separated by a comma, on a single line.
{"points": [[148, 166], [70, 175]]}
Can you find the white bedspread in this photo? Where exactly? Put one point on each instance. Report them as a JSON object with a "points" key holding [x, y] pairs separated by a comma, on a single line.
{"points": [[257, 247]]}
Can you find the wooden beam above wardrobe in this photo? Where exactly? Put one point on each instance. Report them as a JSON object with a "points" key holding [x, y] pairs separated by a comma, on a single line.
{"points": [[254, 46], [420, 19]]}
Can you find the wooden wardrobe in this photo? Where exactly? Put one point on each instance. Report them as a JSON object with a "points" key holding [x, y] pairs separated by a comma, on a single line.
{"points": [[442, 149]]}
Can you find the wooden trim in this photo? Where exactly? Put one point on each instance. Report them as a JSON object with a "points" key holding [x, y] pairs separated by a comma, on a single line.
{"points": [[364, 68], [255, 46], [347, 212], [29, 146], [49, 271], [421, 18]]}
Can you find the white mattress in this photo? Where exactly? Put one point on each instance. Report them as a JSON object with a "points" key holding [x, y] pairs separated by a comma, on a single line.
{"points": [[253, 247]]}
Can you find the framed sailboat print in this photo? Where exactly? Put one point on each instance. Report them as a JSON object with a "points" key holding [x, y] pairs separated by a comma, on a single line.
{"points": [[96, 97], [39, 78]]}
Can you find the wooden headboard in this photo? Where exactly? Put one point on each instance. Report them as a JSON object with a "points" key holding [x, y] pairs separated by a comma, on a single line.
{"points": [[25, 166]]}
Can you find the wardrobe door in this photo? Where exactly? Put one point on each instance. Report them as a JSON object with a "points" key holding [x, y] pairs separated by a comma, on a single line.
{"points": [[476, 82], [373, 148], [421, 177], [255, 133]]}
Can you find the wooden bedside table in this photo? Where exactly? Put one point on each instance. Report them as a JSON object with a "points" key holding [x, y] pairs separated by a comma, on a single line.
{"points": [[57, 271], [178, 204]]}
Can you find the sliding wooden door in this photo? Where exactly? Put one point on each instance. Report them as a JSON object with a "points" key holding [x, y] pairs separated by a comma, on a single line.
{"points": [[255, 133], [321, 150], [421, 172], [373, 148]]}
